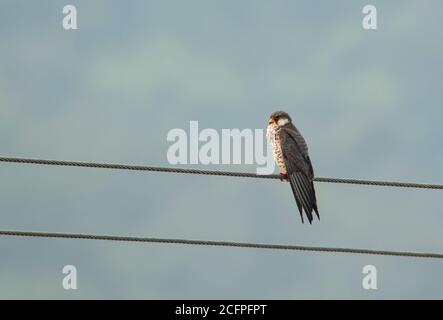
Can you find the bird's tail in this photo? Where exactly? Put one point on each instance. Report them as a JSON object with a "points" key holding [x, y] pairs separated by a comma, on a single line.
{"points": [[304, 194]]}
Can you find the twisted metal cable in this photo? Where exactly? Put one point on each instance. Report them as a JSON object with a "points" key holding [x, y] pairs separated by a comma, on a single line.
{"points": [[212, 172], [217, 243]]}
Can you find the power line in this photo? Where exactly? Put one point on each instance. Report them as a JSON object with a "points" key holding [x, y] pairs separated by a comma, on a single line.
{"points": [[207, 242], [217, 243], [212, 172]]}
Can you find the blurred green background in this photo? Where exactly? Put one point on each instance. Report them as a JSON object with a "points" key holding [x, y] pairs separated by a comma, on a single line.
{"points": [[368, 103]]}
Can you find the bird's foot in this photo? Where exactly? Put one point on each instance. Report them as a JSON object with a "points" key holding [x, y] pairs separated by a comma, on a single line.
{"points": [[284, 177]]}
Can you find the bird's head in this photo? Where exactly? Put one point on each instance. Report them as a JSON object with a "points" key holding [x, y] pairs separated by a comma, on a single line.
{"points": [[280, 118]]}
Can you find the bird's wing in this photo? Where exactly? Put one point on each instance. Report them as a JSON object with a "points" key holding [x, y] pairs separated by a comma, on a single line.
{"points": [[300, 171]]}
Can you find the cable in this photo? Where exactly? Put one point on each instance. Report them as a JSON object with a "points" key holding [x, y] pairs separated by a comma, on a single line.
{"points": [[217, 243], [207, 242], [212, 172]]}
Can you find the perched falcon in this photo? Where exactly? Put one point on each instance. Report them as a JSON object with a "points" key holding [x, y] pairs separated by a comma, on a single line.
{"points": [[291, 154]]}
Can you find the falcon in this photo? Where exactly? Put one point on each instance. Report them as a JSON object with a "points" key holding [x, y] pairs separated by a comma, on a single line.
{"points": [[292, 157]]}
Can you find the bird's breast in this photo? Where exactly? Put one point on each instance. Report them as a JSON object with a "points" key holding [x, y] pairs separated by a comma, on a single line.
{"points": [[274, 139]]}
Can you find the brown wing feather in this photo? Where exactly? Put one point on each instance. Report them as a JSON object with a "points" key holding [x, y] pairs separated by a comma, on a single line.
{"points": [[300, 171]]}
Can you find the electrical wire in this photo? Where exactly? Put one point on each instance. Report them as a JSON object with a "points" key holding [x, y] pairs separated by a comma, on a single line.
{"points": [[212, 172]]}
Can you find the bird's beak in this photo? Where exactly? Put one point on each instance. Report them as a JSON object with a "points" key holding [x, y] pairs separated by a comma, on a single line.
{"points": [[271, 121]]}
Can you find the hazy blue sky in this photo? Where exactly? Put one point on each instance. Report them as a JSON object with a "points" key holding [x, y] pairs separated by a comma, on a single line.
{"points": [[368, 103]]}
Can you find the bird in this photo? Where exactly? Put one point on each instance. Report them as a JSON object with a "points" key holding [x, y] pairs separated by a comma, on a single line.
{"points": [[292, 157]]}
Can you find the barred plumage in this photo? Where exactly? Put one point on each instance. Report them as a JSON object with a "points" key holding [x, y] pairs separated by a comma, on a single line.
{"points": [[274, 139]]}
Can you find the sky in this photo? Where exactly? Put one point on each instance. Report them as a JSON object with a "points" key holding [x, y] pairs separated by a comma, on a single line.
{"points": [[367, 102]]}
